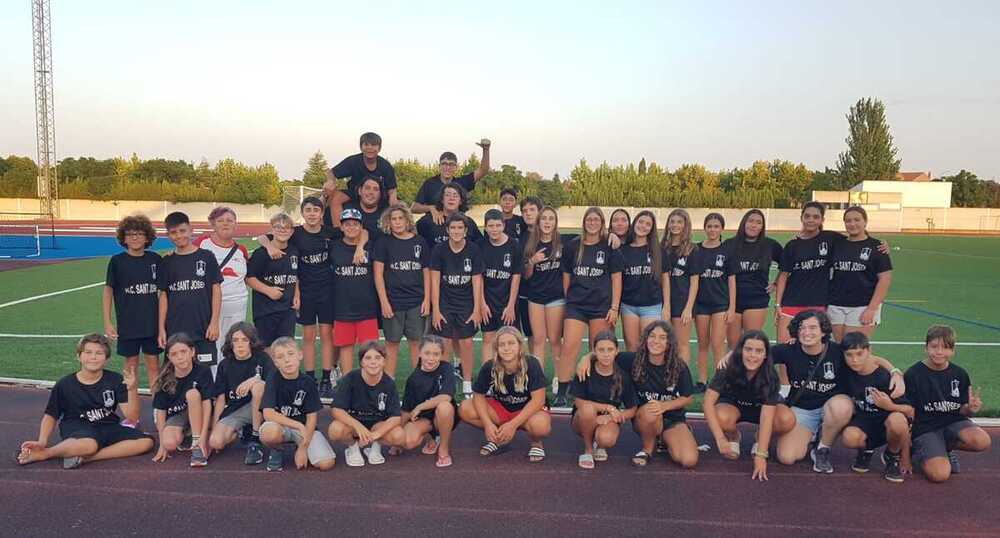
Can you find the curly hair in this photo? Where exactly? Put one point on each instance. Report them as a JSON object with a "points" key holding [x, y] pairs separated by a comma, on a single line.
{"points": [[386, 218], [136, 223], [672, 359], [824, 323], [463, 195]]}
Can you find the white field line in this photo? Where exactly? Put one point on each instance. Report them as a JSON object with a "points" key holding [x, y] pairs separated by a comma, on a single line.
{"points": [[53, 294], [943, 253]]}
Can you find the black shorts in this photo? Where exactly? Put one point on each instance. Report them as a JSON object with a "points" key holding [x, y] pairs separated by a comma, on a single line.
{"points": [[522, 320], [748, 413], [429, 415], [205, 352], [751, 301], [454, 327], [274, 326], [937, 443], [316, 306], [873, 427], [495, 322], [105, 434], [701, 309], [581, 314], [131, 347], [677, 306], [668, 422]]}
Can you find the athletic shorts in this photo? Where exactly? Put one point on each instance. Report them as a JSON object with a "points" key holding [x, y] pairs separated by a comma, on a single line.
{"points": [[408, 323], [811, 419], [454, 327], [504, 415], [851, 315], [104, 434], [751, 301], [239, 418], [937, 443], [131, 347], [873, 427], [551, 304], [748, 413], [792, 311], [642, 312], [430, 415], [496, 320], [584, 315], [180, 420], [274, 326], [315, 306], [701, 309], [677, 307], [348, 333], [319, 448]]}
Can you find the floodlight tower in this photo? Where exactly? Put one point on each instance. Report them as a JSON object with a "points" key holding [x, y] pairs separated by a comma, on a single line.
{"points": [[45, 117]]}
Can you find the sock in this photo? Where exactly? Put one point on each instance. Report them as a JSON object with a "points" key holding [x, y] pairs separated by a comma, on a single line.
{"points": [[820, 445], [255, 435], [563, 388], [326, 374], [194, 440], [311, 374], [466, 386]]}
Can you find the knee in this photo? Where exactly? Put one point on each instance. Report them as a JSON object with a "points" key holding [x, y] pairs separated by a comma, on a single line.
{"points": [[444, 410], [853, 438], [270, 435], [839, 408], [937, 470], [169, 443], [467, 411], [896, 423], [605, 438], [257, 391], [586, 411], [413, 440], [395, 437], [193, 397], [326, 465], [687, 459], [784, 422], [217, 440], [539, 425], [336, 431], [980, 441]]}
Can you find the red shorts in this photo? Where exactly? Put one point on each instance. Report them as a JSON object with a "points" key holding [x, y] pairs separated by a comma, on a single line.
{"points": [[503, 414], [348, 333], [792, 311]]}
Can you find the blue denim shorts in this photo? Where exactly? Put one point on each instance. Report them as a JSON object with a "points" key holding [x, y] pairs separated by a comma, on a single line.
{"points": [[651, 311], [811, 419]]}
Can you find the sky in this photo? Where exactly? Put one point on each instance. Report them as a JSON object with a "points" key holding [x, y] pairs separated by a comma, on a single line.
{"points": [[550, 83]]}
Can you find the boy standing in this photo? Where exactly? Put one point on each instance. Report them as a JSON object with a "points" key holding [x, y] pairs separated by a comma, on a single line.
{"points": [[513, 225], [356, 312], [275, 283]]}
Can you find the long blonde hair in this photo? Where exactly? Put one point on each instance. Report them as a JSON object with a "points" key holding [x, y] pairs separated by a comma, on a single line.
{"points": [[535, 236], [498, 373], [685, 245]]}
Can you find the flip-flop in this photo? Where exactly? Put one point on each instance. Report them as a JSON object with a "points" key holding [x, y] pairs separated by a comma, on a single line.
{"points": [[72, 462], [600, 454], [640, 459], [585, 461], [536, 454], [443, 461], [430, 447]]}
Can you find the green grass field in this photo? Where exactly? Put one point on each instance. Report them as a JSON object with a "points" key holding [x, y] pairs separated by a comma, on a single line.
{"points": [[937, 279]]}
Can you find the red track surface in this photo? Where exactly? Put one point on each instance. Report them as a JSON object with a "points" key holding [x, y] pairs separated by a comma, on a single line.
{"points": [[87, 227], [504, 495]]}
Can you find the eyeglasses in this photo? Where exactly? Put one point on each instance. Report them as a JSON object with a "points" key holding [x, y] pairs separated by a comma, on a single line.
{"points": [[448, 163], [136, 234]]}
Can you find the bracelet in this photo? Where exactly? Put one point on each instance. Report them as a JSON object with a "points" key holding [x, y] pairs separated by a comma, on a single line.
{"points": [[895, 371], [761, 454], [613, 307]]}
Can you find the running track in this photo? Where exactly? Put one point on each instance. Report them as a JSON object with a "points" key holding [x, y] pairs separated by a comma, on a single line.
{"points": [[504, 495]]}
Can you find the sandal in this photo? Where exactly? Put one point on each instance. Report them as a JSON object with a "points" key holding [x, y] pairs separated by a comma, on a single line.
{"points": [[600, 454], [431, 446], [640, 459], [395, 451], [489, 449], [585, 461], [443, 461], [536, 454]]}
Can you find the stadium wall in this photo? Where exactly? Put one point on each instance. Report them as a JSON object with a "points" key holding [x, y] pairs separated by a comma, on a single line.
{"points": [[968, 220]]}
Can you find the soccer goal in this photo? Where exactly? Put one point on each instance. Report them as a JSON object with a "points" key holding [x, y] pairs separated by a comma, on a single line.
{"points": [[19, 241], [292, 196]]}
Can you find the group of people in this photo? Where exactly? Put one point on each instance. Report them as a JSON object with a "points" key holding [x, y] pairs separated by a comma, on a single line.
{"points": [[361, 263]]}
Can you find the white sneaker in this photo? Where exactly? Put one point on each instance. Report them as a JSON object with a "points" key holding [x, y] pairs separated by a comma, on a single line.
{"points": [[374, 453], [467, 389], [735, 447], [352, 455], [555, 384]]}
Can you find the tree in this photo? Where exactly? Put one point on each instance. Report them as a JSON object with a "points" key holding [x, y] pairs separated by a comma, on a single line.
{"points": [[967, 190], [871, 153], [20, 178], [315, 172], [642, 167]]}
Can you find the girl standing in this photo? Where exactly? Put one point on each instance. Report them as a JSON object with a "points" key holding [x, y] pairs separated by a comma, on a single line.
{"points": [[715, 304], [645, 288]]}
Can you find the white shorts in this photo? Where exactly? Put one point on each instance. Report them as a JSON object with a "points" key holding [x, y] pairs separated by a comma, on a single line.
{"points": [[851, 315], [319, 448]]}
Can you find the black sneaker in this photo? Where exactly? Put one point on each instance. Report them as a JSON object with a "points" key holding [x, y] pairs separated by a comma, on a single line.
{"points": [[821, 460], [956, 467], [892, 471], [863, 461], [274, 460], [560, 401], [245, 435], [255, 454], [325, 389], [699, 388], [457, 370]]}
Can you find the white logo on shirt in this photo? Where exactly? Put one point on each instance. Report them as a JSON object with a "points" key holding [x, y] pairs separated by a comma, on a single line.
{"points": [[720, 260], [468, 265], [294, 261], [381, 401], [649, 258], [152, 269], [600, 257], [300, 396], [199, 268], [954, 388], [870, 395], [823, 249], [682, 261], [866, 253], [109, 398], [416, 251], [506, 260], [828, 370]]}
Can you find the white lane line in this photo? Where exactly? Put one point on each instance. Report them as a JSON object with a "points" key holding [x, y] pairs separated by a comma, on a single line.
{"points": [[53, 294]]}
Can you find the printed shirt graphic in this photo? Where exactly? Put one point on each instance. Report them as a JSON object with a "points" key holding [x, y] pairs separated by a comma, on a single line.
{"points": [[545, 284], [745, 396], [293, 398], [232, 372], [133, 282], [715, 264], [353, 284], [436, 234], [937, 396], [187, 280], [598, 388], [590, 280], [314, 251], [752, 265], [501, 263], [639, 286], [457, 270], [516, 227], [422, 386], [860, 388], [281, 273], [404, 262], [808, 263], [368, 404], [680, 269], [73, 402], [234, 289], [200, 379], [856, 266], [654, 386], [512, 400]]}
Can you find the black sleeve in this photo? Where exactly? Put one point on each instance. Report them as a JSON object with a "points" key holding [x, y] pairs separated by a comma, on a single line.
{"points": [[422, 196], [579, 388], [121, 390], [882, 262], [257, 262], [423, 223], [425, 252], [718, 382], [910, 380], [219, 386], [787, 262], [270, 398], [776, 251], [390, 176], [343, 169], [773, 396], [381, 251], [110, 278], [963, 388], [616, 262], [569, 257], [54, 407], [478, 263], [483, 379], [629, 398], [161, 273], [206, 385], [536, 376], [409, 399], [474, 234], [468, 181], [684, 385], [437, 257], [161, 400], [448, 380], [392, 404], [342, 393], [518, 256]]}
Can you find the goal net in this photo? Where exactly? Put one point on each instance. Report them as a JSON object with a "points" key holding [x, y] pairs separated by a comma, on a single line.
{"points": [[19, 240], [292, 196]]}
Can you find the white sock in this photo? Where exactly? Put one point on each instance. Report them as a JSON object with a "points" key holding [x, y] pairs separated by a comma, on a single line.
{"points": [[467, 387], [820, 445]]}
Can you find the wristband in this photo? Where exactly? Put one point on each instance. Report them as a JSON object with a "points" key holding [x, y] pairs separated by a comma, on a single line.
{"points": [[895, 371], [761, 454]]}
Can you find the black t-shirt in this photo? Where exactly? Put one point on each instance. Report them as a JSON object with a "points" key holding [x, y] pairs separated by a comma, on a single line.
{"points": [[232, 372], [500, 263], [354, 285], [680, 268], [281, 273], [654, 386], [199, 378], [422, 386], [513, 399], [937, 397], [293, 398], [188, 279], [640, 287], [752, 264], [516, 227], [368, 404], [314, 251], [457, 270], [354, 168], [826, 382], [859, 387], [436, 234], [744, 396], [808, 262], [598, 388], [430, 190], [405, 261], [590, 280], [856, 266], [73, 402], [545, 284], [714, 265], [133, 280]]}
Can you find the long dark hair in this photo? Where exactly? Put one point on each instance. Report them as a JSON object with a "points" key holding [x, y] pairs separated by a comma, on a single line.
{"points": [[167, 380], [248, 330], [652, 244], [628, 234], [535, 236], [672, 360], [735, 374], [617, 380], [758, 249]]}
